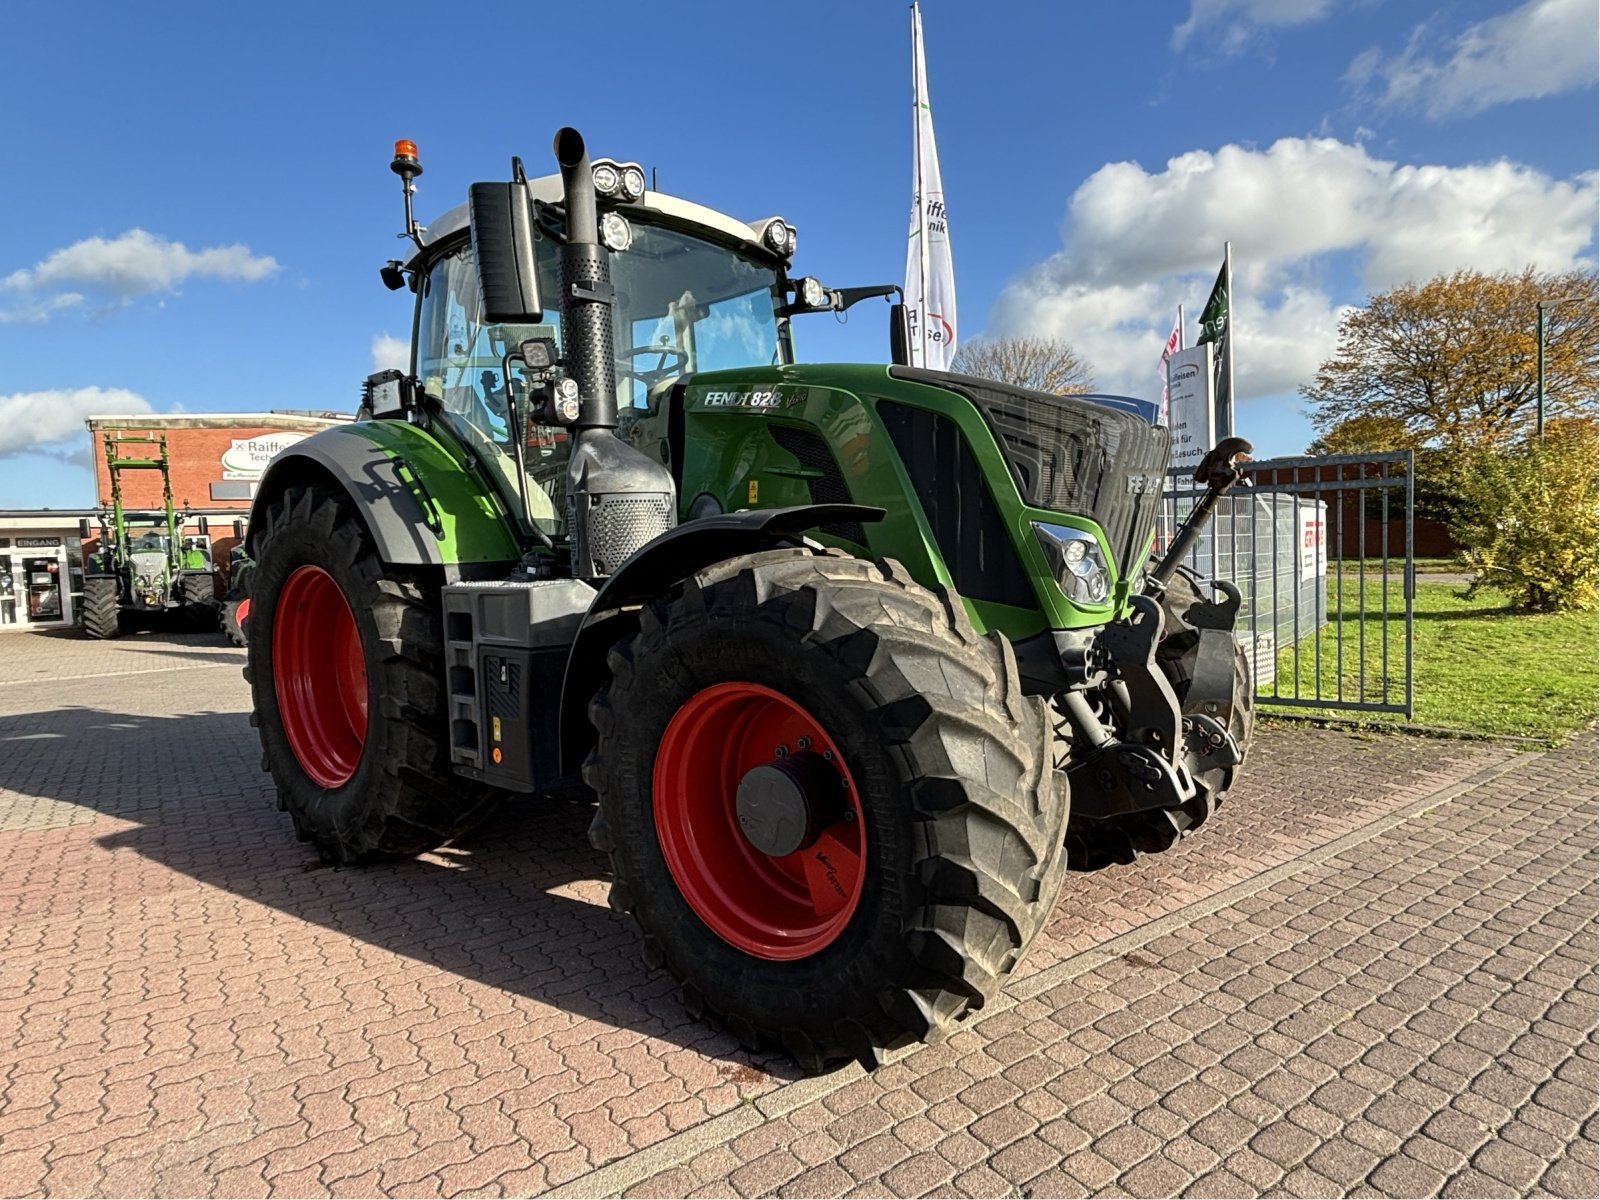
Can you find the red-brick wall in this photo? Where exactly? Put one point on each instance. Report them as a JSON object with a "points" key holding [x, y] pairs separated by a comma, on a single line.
{"points": [[195, 458]]}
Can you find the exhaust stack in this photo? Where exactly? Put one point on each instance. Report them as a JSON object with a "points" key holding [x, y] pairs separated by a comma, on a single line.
{"points": [[586, 295]]}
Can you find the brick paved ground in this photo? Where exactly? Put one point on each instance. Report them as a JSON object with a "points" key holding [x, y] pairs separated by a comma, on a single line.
{"points": [[1315, 996]]}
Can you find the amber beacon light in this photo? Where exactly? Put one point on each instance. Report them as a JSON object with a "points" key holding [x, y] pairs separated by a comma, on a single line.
{"points": [[405, 159]]}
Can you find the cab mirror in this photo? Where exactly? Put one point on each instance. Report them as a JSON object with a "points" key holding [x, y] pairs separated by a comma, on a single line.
{"points": [[506, 251], [899, 336]]}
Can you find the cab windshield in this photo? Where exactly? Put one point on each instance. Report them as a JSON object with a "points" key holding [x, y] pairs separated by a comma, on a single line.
{"points": [[682, 305]]}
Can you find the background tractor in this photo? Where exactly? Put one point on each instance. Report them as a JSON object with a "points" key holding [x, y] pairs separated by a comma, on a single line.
{"points": [[832, 645], [146, 565]]}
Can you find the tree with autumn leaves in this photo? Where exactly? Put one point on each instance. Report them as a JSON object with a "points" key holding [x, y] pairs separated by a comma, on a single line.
{"points": [[1453, 362], [1448, 369]]}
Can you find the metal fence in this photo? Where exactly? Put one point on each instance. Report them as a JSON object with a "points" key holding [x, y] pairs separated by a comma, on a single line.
{"points": [[1321, 551]]}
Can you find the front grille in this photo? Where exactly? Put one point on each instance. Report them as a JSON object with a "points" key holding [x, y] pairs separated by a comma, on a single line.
{"points": [[1071, 455]]}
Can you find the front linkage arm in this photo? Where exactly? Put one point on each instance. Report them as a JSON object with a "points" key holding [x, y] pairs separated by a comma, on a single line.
{"points": [[1168, 742]]}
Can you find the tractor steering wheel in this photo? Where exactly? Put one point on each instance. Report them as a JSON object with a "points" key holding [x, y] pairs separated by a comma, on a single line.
{"points": [[653, 375]]}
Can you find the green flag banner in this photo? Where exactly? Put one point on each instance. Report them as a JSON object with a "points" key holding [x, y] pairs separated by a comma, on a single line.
{"points": [[1214, 316], [1214, 329]]}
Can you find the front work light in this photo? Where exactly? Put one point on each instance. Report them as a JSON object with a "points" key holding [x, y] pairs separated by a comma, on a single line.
{"points": [[606, 178], [1075, 559], [779, 237], [615, 232]]}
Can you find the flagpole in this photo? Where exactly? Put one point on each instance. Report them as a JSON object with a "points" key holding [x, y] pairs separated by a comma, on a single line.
{"points": [[918, 90], [1181, 346], [1227, 418]]}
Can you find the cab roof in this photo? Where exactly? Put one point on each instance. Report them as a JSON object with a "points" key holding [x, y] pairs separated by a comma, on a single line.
{"points": [[665, 209]]}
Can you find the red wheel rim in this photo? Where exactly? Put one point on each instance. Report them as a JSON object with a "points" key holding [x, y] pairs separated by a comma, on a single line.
{"points": [[242, 614], [320, 676], [779, 908]]}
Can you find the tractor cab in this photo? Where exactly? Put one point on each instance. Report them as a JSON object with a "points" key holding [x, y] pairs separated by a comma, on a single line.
{"points": [[693, 290]]}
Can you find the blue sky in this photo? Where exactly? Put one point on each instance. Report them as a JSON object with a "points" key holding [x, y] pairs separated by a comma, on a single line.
{"points": [[197, 196]]}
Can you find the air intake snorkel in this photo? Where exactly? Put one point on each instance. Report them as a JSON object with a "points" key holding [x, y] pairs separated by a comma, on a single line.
{"points": [[617, 498]]}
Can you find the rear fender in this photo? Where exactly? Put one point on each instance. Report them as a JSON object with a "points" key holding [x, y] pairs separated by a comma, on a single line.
{"points": [[652, 570]]}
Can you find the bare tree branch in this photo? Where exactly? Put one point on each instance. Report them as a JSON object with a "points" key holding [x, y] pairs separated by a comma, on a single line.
{"points": [[1044, 364]]}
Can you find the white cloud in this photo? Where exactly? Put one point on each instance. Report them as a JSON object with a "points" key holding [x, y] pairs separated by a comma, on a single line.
{"points": [[34, 311], [1231, 23], [390, 353], [49, 422], [122, 268], [1136, 243], [1542, 48]]}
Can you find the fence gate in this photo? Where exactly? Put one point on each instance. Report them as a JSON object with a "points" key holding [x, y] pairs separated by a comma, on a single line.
{"points": [[1321, 550]]}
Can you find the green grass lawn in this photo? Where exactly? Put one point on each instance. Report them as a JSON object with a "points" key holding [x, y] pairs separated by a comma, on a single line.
{"points": [[1479, 665]]}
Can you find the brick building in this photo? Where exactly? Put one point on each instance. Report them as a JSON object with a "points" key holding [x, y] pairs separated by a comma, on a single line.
{"points": [[215, 461]]}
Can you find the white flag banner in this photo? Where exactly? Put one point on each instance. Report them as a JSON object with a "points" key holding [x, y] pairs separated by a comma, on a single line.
{"points": [[930, 280], [1174, 343]]}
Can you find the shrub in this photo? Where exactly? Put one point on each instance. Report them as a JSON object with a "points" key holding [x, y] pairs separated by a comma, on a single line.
{"points": [[1529, 523]]}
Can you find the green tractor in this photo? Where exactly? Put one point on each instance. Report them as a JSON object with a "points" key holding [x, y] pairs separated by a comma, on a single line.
{"points": [[858, 660], [146, 566]]}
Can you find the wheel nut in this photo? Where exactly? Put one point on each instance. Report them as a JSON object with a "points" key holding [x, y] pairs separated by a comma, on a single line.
{"points": [[804, 743]]}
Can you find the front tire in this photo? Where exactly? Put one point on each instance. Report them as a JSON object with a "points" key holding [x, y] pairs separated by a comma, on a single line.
{"points": [[346, 669], [198, 595], [100, 619], [935, 818]]}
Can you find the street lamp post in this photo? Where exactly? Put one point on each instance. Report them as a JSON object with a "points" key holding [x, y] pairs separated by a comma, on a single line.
{"points": [[1538, 393]]}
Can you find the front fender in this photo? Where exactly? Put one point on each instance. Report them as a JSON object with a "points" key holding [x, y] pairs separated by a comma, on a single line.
{"points": [[419, 501], [657, 566]]}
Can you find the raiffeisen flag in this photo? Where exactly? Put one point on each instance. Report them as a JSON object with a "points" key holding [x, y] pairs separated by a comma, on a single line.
{"points": [[930, 281]]}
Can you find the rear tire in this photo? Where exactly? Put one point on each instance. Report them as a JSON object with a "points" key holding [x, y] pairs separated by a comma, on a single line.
{"points": [[346, 669], [961, 816], [100, 619], [236, 605], [235, 612]]}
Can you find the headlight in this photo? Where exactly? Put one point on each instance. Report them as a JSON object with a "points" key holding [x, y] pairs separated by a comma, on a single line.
{"points": [[1074, 556], [606, 178], [632, 182]]}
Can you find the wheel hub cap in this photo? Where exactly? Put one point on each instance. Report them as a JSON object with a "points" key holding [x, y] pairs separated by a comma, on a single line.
{"points": [[785, 804]]}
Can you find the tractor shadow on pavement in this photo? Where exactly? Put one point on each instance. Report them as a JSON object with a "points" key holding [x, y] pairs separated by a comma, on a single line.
{"points": [[519, 904]]}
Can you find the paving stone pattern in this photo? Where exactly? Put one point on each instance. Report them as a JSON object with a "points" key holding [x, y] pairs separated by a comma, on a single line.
{"points": [[190, 1005], [1414, 1017]]}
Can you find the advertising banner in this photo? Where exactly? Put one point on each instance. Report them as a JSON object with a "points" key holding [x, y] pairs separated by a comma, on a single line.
{"points": [[1189, 405]]}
